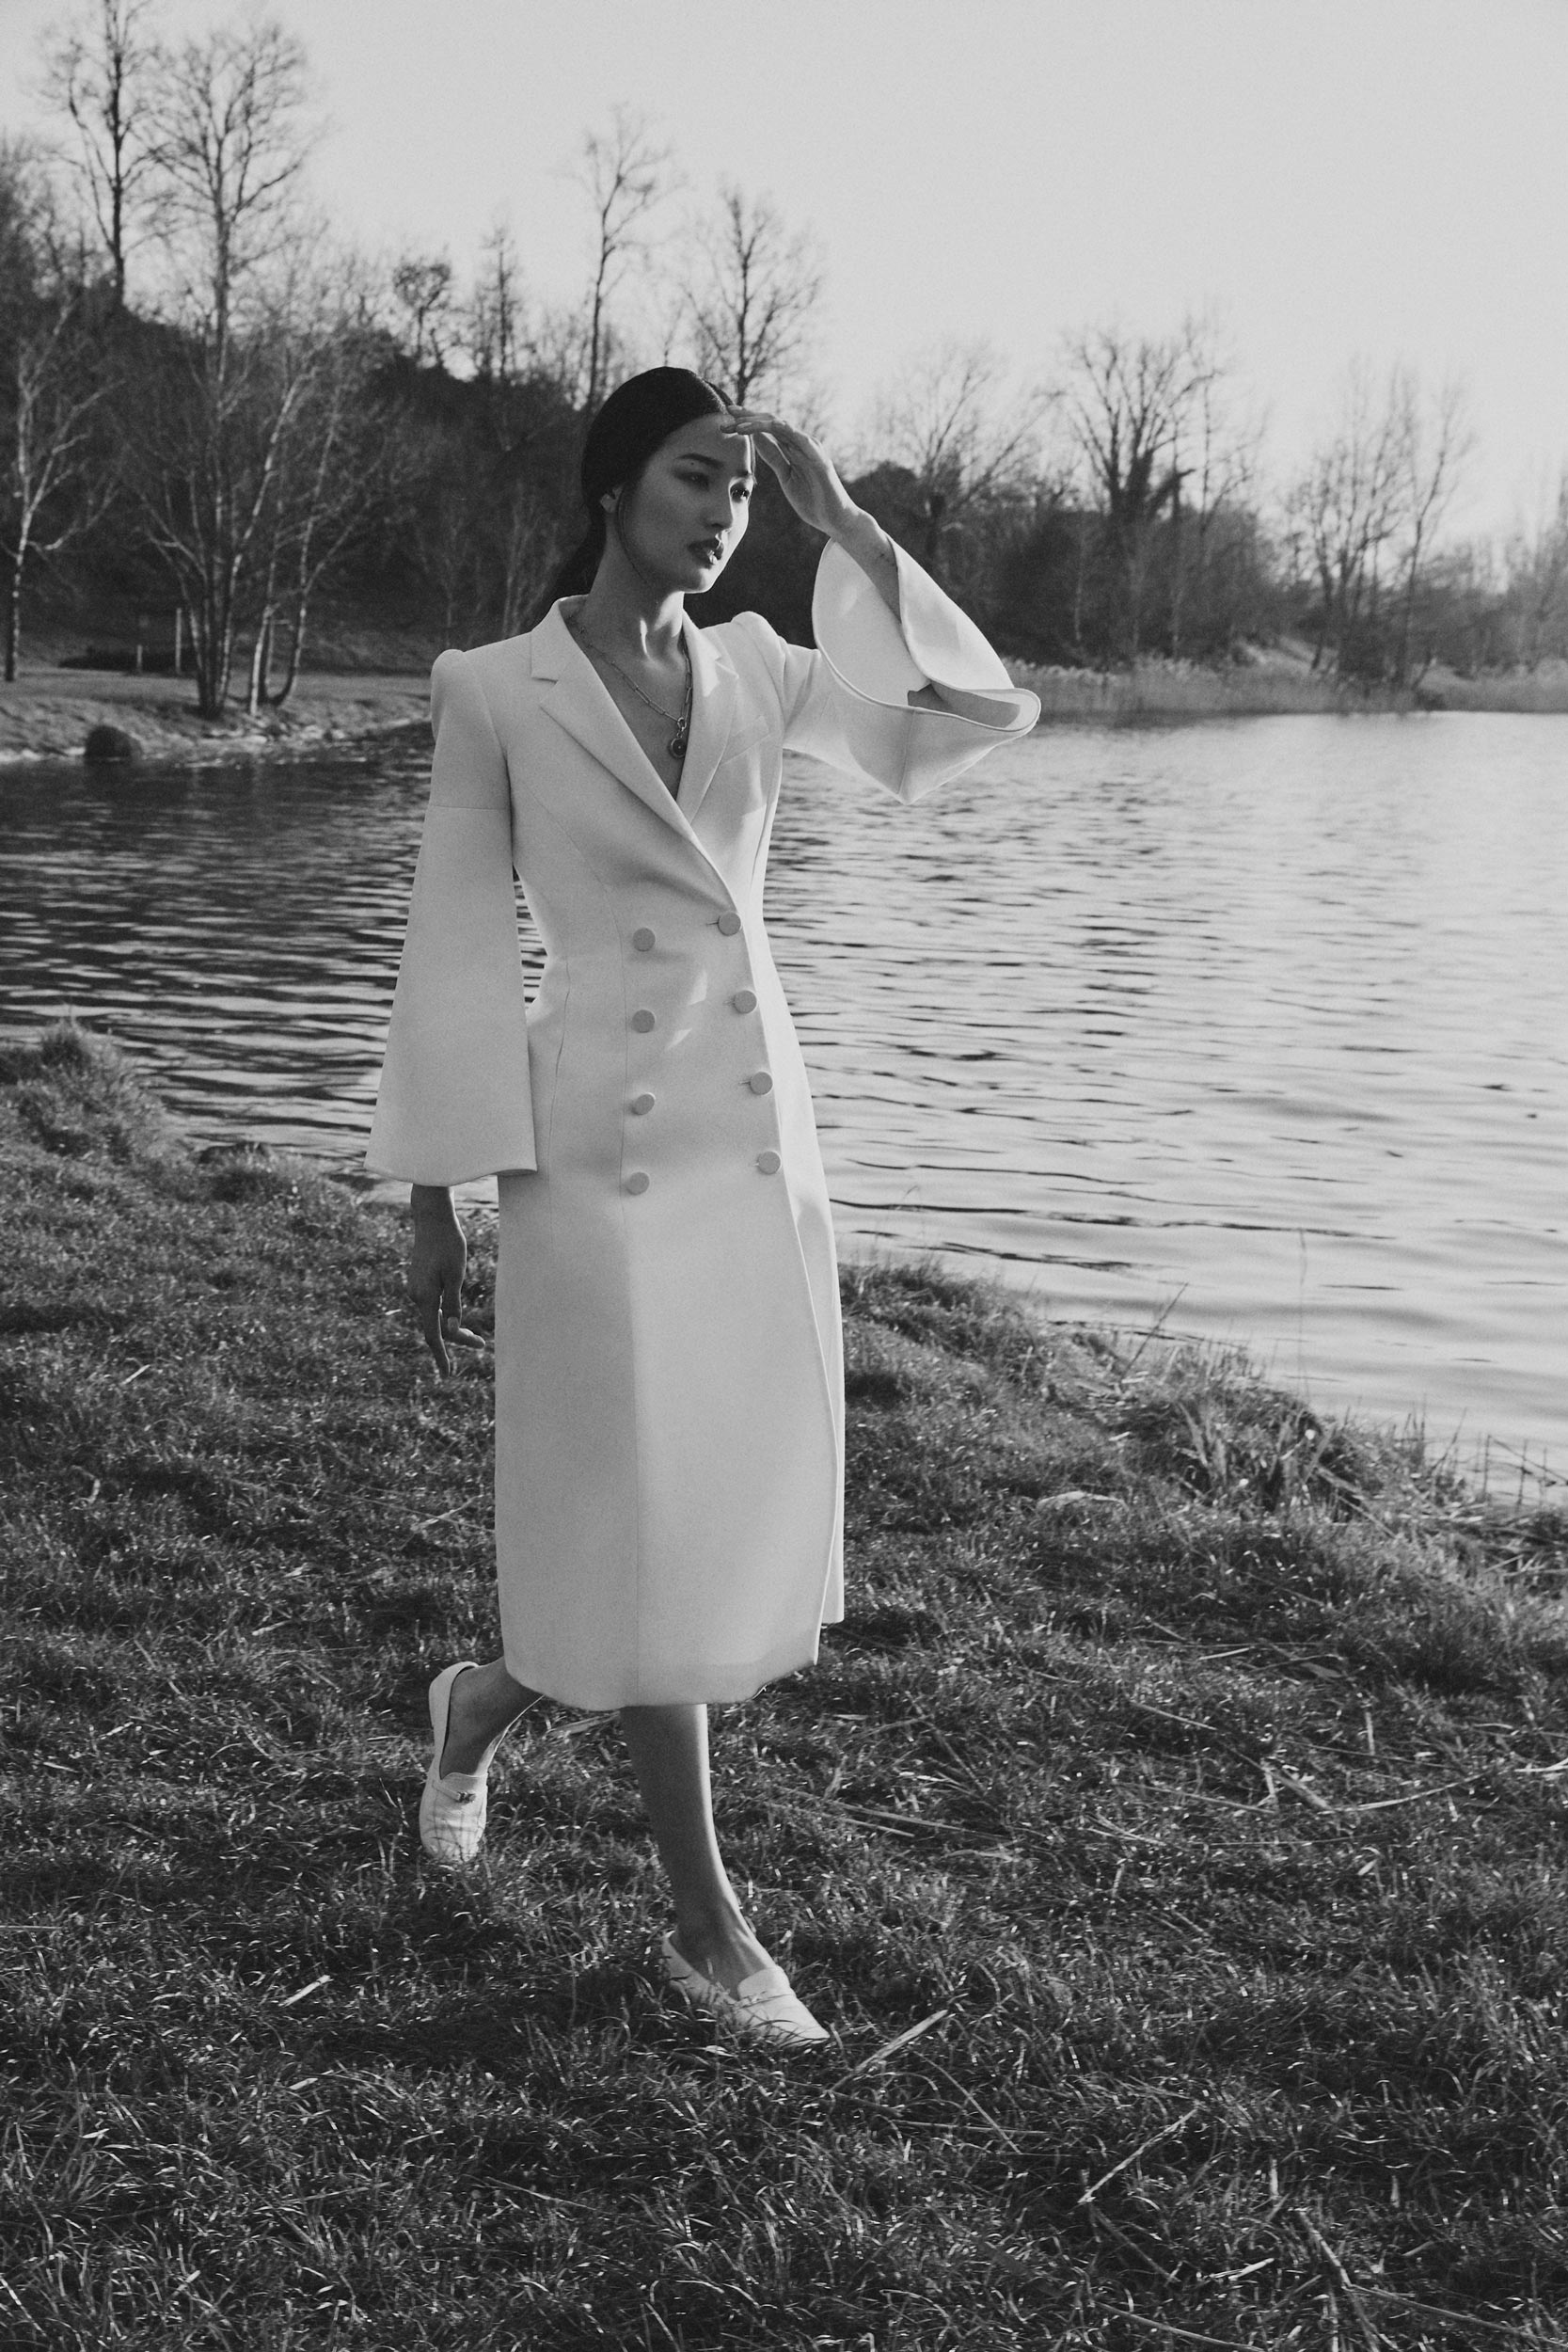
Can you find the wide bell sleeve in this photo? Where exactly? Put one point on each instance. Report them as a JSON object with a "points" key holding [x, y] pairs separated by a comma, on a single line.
{"points": [[864, 701], [454, 1102]]}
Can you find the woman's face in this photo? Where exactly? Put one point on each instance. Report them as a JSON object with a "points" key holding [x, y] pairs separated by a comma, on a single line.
{"points": [[689, 510]]}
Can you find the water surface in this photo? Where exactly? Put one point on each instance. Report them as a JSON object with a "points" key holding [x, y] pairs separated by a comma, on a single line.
{"points": [[1261, 1027]]}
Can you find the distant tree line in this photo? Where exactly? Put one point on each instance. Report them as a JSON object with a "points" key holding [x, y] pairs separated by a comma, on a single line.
{"points": [[212, 409]]}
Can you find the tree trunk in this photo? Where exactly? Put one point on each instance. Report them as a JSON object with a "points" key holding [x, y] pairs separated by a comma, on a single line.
{"points": [[13, 622], [260, 656], [296, 642]]}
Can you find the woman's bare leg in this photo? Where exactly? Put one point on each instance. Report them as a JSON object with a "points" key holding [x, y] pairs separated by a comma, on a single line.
{"points": [[483, 1702], [669, 1754]]}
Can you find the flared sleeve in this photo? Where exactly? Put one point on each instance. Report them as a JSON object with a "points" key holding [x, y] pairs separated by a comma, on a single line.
{"points": [[454, 1102], [909, 702]]}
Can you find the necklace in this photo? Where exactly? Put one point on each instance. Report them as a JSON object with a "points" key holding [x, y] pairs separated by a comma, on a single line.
{"points": [[676, 745]]}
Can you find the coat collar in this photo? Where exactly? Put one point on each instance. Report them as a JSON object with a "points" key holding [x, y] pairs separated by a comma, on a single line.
{"points": [[579, 702]]}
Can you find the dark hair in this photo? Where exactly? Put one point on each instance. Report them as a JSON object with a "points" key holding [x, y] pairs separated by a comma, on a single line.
{"points": [[636, 418]]}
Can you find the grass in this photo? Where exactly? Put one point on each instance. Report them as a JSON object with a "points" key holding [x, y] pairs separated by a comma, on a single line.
{"points": [[1276, 685], [1174, 1833], [48, 714]]}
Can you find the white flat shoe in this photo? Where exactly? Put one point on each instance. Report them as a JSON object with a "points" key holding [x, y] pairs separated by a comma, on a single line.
{"points": [[762, 2005], [454, 1805]]}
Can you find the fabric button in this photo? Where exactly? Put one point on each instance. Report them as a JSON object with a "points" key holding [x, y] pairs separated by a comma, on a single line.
{"points": [[643, 940], [641, 1102], [729, 922], [761, 1082], [637, 1180], [744, 1000], [643, 1020], [768, 1162]]}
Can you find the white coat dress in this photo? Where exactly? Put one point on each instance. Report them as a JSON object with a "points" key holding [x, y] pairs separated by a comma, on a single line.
{"points": [[669, 1381]]}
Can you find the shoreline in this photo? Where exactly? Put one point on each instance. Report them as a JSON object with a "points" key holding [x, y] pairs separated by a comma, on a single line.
{"points": [[47, 714]]}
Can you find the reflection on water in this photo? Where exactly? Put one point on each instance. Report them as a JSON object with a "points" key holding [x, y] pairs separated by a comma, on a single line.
{"points": [[1261, 1027]]}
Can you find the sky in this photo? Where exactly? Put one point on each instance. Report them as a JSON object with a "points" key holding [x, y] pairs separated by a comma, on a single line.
{"points": [[1331, 178]]}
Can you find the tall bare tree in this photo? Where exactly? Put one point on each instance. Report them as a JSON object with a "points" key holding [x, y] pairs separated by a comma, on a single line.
{"points": [[54, 480], [625, 175], [213, 412], [962, 436], [331, 470], [1367, 509], [495, 326], [1536, 592], [753, 292], [230, 140], [1129, 402], [1214, 456], [99, 72], [1436, 438]]}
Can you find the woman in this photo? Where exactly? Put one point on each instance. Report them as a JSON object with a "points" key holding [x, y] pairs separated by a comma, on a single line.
{"points": [[669, 1388]]}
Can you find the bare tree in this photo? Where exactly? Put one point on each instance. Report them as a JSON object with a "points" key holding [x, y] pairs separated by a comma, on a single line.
{"points": [[331, 466], [756, 287], [963, 437], [625, 175], [1436, 438], [1536, 594], [99, 72], [230, 140], [52, 478], [213, 413], [493, 330], [1129, 404], [1214, 462], [1367, 510], [423, 286]]}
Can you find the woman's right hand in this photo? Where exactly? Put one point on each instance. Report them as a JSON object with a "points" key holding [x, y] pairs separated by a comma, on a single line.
{"points": [[436, 1264]]}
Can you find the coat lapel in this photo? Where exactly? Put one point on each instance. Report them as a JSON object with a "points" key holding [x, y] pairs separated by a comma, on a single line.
{"points": [[713, 694], [577, 701]]}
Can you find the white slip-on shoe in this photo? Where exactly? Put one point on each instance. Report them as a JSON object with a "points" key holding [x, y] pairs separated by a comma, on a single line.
{"points": [[761, 2004], [454, 1805]]}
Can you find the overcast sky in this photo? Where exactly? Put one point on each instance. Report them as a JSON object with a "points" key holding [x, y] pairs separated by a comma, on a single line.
{"points": [[1335, 177]]}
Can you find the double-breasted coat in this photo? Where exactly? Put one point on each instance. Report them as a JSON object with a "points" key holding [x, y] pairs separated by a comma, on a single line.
{"points": [[669, 1382]]}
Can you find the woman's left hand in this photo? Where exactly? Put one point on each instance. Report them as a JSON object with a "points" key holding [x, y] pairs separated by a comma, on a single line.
{"points": [[802, 466]]}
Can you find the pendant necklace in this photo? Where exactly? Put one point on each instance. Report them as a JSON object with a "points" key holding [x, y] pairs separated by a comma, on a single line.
{"points": [[676, 745]]}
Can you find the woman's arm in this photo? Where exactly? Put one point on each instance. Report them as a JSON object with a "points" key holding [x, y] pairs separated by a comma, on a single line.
{"points": [[810, 482]]}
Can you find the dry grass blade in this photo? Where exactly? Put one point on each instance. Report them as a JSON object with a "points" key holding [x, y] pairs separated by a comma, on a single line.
{"points": [[1167, 2131], [899, 2041]]}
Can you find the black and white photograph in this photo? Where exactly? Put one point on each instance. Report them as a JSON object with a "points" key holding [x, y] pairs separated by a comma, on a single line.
{"points": [[784, 1116]]}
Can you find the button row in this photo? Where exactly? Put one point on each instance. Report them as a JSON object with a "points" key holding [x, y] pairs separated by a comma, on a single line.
{"points": [[768, 1164], [743, 1001], [645, 941]]}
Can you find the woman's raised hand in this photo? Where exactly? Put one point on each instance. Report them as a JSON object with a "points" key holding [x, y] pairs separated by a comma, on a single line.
{"points": [[436, 1264], [803, 468]]}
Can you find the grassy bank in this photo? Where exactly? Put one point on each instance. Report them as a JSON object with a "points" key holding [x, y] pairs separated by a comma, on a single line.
{"points": [[1277, 684], [49, 713], [1174, 1834]]}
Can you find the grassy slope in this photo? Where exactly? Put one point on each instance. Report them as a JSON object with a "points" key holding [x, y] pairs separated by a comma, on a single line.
{"points": [[1183, 1770]]}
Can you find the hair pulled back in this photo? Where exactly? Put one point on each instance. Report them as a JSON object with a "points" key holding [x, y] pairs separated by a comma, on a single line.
{"points": [[636, 418]]}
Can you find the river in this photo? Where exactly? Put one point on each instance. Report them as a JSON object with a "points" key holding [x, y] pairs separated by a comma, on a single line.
{"points": [[1257, 1030]]}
